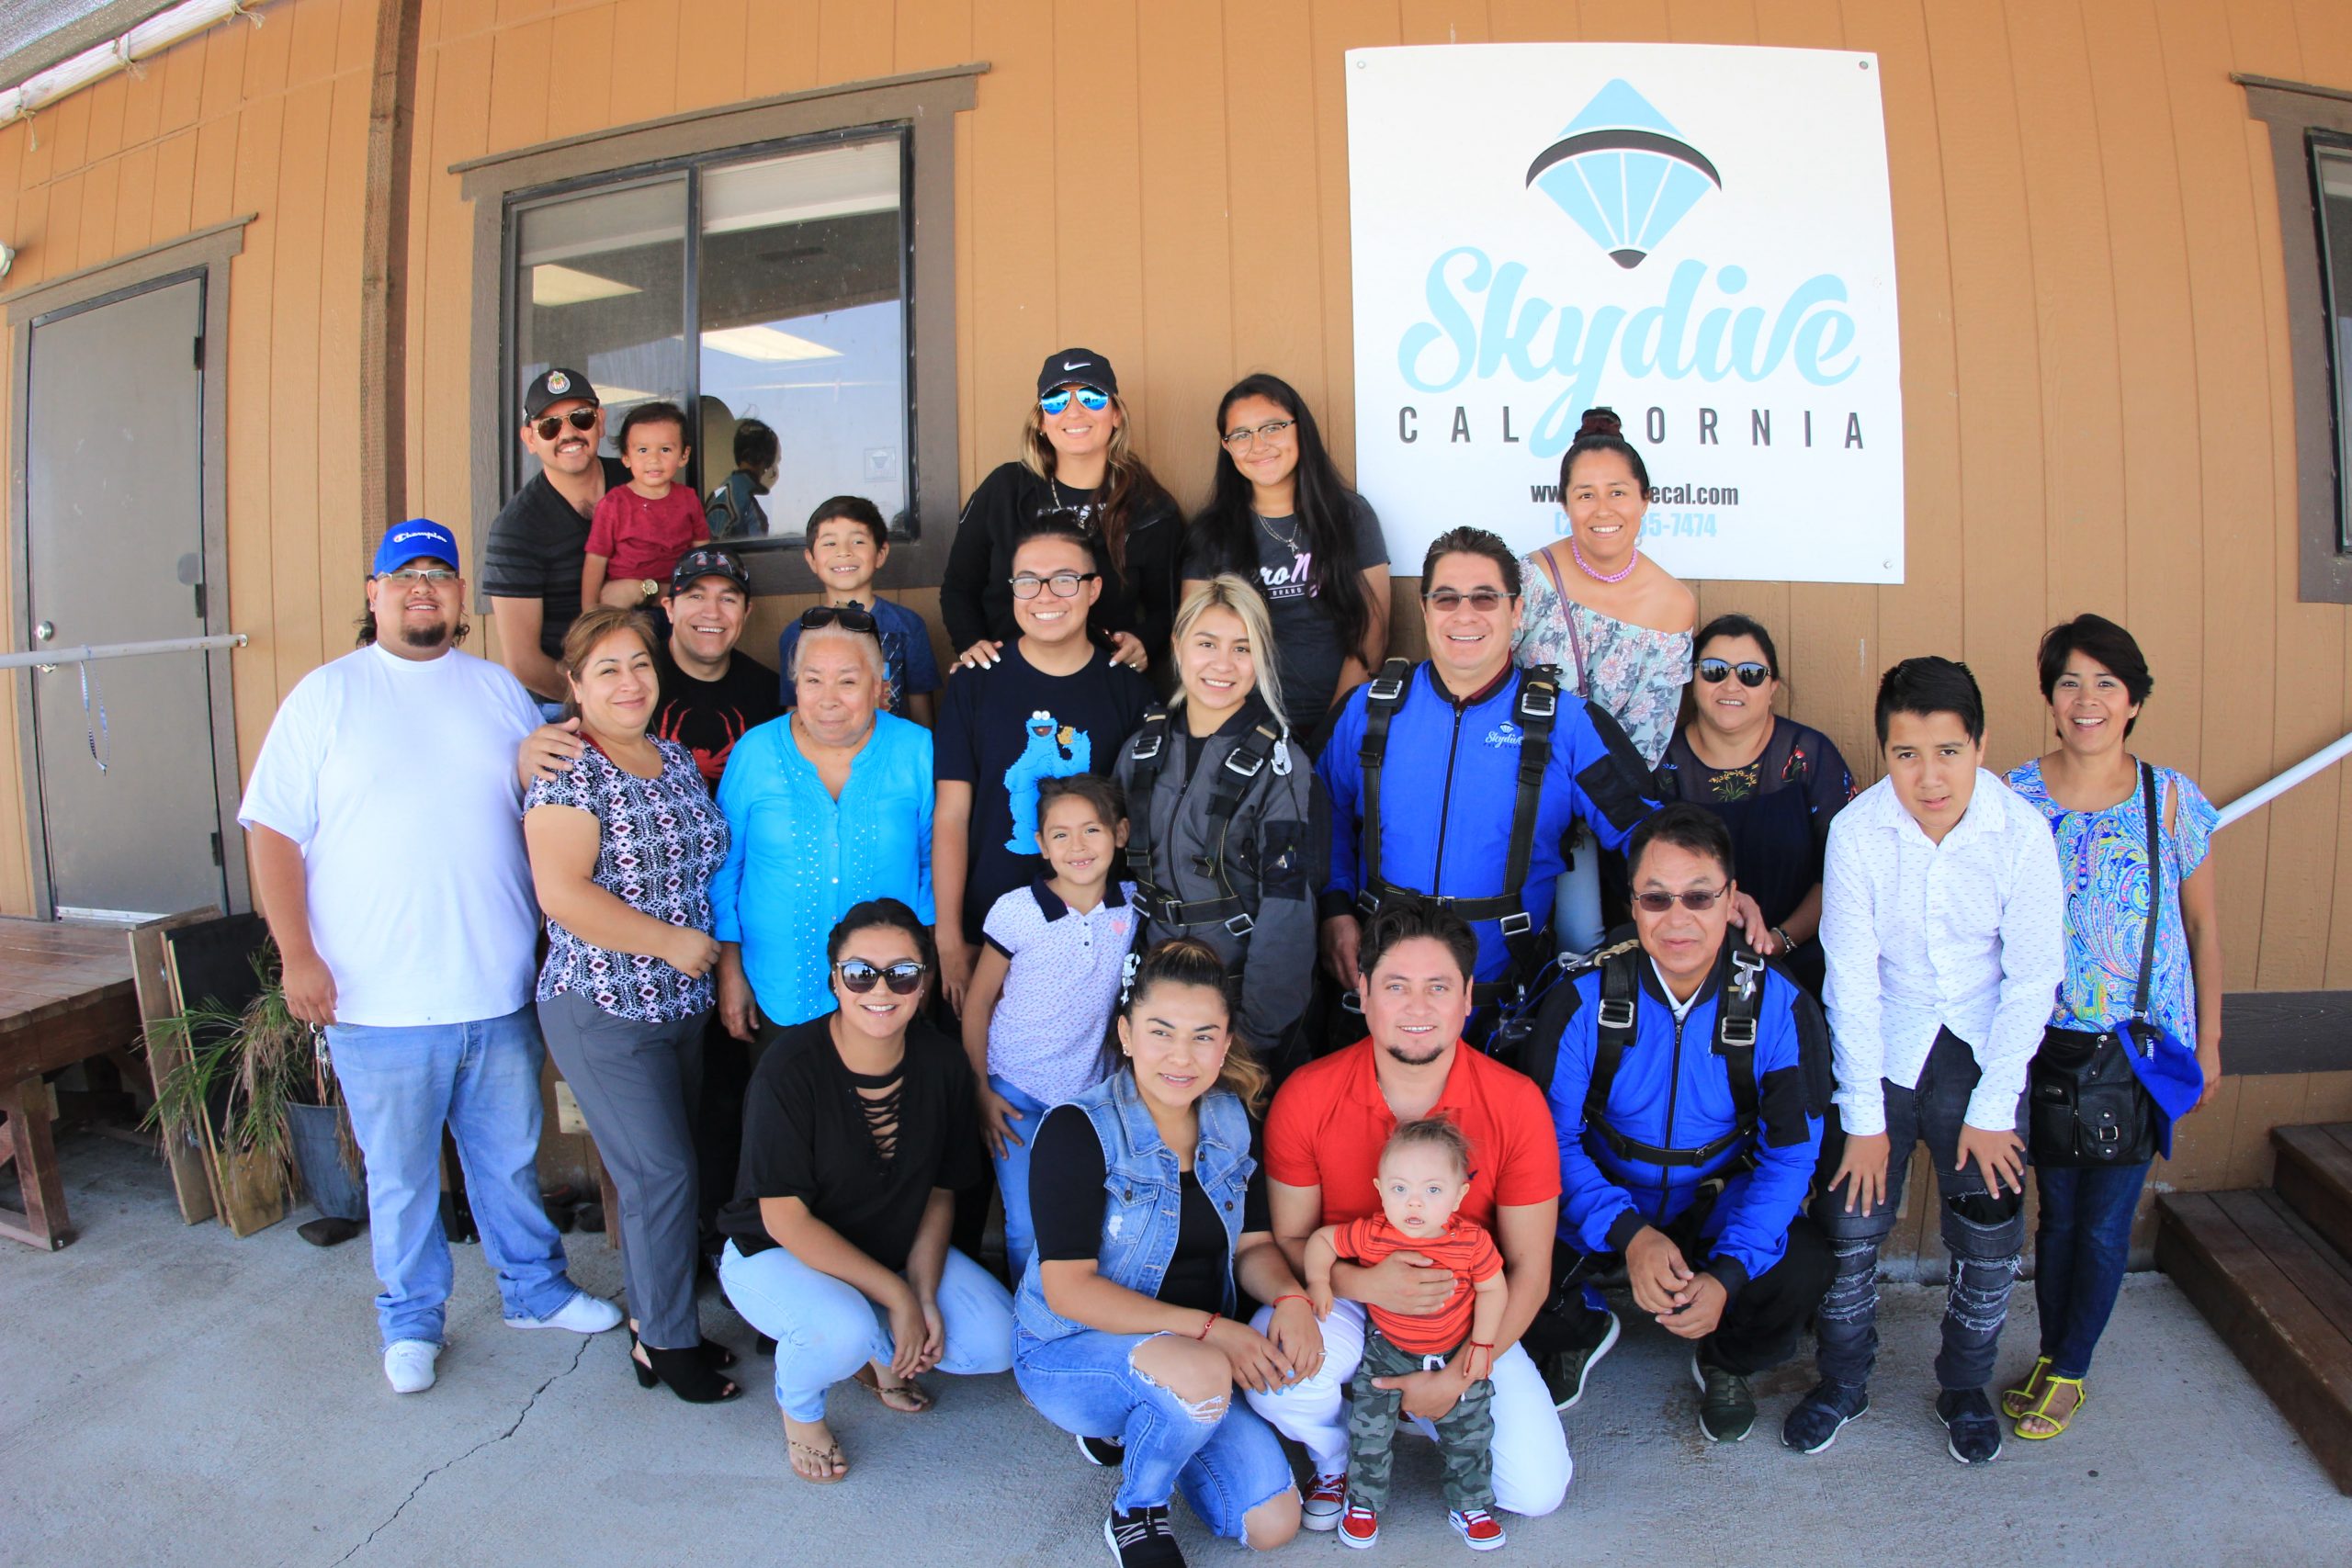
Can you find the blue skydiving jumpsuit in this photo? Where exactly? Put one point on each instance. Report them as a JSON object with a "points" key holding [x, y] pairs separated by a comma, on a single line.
{"points": [[1736, 1213], [1449, 780]]}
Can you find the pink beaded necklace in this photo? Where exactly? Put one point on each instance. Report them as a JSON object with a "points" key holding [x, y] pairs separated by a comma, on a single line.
{"points": [[1618, 575]]}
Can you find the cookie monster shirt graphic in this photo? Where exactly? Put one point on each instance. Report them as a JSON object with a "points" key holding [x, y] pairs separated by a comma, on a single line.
{"points": [[1047, 752], [1006, 730]]}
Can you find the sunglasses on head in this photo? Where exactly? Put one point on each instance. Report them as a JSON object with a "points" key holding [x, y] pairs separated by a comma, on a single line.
{"points": [[1695, 900], [849, 617], [857, 976], [579, 419], [1093, 399], [1714, 671]]}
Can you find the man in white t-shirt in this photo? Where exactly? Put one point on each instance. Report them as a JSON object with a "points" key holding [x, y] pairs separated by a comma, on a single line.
{"points": [[386, 831]]}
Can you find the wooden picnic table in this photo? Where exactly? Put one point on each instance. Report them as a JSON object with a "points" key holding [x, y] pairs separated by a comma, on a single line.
{"points": [[66, 994]]}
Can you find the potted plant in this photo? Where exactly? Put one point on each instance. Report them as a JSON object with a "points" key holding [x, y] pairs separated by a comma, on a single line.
{"points": [[255, 1088]]}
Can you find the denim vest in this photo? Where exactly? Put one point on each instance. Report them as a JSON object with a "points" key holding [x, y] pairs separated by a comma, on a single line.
{"points": [[1143, 1195]]}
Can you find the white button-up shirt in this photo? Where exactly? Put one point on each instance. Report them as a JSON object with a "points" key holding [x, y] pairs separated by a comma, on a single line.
{"points": [[1967, 935]]}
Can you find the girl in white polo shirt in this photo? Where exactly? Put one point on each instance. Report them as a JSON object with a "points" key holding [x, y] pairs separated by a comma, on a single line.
{"points": [[1047, 982]]}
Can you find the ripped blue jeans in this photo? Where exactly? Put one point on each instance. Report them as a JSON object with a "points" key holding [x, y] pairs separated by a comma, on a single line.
{"points": [[1224, 1458], [1985, 1235]]}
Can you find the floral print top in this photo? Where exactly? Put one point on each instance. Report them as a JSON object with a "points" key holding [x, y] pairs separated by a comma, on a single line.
{"points": [[663, 840], [2103, 857], [1636, 673]]}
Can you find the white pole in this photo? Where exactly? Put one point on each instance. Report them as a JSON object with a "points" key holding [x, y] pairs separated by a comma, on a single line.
{"points": [[87, 654], [2263, 795]]}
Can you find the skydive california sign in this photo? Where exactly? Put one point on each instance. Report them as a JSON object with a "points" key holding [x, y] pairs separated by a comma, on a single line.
{"points": [[1698, 237]]}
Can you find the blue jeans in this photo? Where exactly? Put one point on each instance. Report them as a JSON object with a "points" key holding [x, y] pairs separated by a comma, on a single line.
{"points": [[481, 1079], [1012, 1178], [1226, 1465], [2080, 1246], [825, 1328], [1983, 1235]]}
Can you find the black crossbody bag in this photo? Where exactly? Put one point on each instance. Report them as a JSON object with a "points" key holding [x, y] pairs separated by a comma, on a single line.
{"points": [[2087, 1105]]}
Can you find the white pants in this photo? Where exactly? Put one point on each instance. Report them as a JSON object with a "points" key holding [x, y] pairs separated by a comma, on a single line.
{"points": [[1530, 1452]]}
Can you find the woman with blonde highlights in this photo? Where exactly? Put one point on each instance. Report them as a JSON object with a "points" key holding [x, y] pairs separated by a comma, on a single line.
{"points": [[1228, 831]]}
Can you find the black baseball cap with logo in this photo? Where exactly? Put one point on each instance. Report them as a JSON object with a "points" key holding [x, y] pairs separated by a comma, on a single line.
{"points": [[558, 386], [709, 560], [1081, 365]]}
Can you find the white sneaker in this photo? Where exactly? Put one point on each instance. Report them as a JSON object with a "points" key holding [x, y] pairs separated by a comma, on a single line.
{"points": [[408, 1365], [583, 1314]]}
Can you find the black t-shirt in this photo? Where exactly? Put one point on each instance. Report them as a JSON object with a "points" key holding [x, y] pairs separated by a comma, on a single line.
{"points": [[976, 594], [1004, 728], [1066, 1199], [538, 545], [708, 717], [805, 1136], [1307, 654]]}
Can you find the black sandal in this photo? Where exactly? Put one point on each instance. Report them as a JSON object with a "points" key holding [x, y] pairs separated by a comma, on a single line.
{"points": [[718, 1355], [688, 1373]]}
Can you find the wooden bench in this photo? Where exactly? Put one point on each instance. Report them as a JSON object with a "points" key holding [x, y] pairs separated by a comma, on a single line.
{"points": [[65, 996]]}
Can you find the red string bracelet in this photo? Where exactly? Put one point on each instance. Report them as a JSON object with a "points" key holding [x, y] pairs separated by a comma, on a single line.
{"points": [[1204, 1334], [1293, 1296]]}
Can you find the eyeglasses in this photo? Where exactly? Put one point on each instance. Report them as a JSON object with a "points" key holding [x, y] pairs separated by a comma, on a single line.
{"points": [[1093, 399], [1065, 584], [1445, 601], [1714, 671], [849, 617], [579, 419], [1241, 440], [1693, 900], [410, 576], [857, 976]]}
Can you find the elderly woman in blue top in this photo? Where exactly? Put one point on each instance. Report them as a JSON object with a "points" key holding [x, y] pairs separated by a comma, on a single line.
{"points": [[2095, 681], [829, 805], [1151, 1220], [1720, 1076]]}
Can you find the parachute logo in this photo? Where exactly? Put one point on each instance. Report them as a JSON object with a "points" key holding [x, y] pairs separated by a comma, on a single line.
{"points": [[1623, 173]]}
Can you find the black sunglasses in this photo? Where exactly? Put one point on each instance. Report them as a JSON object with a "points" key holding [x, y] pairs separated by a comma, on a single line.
{"points": [[849, 617], [1659, 903], [582, 419], [1714, 671], [857, 976]]}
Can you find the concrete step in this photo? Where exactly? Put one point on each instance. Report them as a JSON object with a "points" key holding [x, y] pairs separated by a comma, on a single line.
{"points": [[2314, 1176], [2280, 1297]]}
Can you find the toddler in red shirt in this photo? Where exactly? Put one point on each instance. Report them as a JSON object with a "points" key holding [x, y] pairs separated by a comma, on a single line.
{"points": [[642, 529], [1424, 1172]]}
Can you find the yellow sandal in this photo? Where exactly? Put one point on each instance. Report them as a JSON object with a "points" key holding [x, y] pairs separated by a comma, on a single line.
{"points": [[2041, 1410], [2016, 1401]]}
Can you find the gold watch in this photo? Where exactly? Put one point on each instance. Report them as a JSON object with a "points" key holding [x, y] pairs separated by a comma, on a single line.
{"points": [[647, 588]]}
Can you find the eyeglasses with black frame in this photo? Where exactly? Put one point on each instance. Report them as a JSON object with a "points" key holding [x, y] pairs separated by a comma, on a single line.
{"points": [[581, 420], [1485, 601], [1248, 435], [1065, 584], [1093, 399], [858, 977], [1695, 900], [1715, 671]]}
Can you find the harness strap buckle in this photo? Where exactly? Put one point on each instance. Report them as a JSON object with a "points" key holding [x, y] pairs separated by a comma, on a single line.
{"points": [[1539, 700], [1236, 758], [1738, 1032], [1616, 1012], [1367, 903], [1148, 746], [1385, 690], [1241, 924], [1518, 923]]}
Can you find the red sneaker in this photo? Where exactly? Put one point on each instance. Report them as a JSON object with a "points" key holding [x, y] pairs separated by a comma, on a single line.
{"points": [[1359, 1526], [1326, 1501], [1479, 1531]]}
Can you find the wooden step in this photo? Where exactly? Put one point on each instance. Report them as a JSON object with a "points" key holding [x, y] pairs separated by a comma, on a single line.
{"points": [[2315, 1178], [2279, 1297]]}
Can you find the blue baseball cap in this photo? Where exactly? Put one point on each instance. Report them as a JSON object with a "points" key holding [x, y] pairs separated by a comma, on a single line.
{"points": [[418, 538]]}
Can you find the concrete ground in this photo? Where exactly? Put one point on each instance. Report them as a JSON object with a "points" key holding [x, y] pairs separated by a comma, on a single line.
{"points": [[170, 1395]]}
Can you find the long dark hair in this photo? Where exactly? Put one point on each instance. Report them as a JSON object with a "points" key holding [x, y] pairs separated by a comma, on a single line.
{"points": [[1320, 503]]}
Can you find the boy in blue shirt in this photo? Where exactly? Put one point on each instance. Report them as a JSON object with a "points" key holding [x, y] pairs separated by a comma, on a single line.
{"points": [[847, 542]]}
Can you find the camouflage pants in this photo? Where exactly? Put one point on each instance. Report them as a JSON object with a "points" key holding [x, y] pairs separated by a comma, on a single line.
{"points": [[1465, 1435]]}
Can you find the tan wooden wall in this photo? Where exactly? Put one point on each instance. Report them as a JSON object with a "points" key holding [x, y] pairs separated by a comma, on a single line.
{"points": [[2094, 335]]}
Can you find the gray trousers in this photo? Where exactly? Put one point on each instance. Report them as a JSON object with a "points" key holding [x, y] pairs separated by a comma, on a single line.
{"points": [[635, 1083]]}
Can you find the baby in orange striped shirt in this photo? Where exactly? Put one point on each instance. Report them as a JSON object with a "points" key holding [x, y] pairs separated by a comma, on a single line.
{"points": [[1424, 1172]]}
